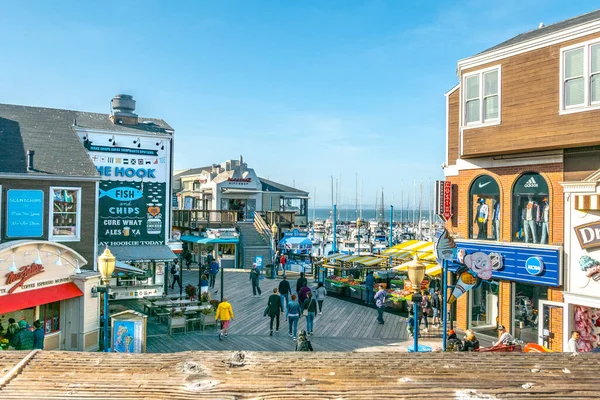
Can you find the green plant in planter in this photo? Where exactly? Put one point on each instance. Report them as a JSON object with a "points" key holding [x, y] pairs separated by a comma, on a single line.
{"points": [[176, 314], [214, 304], [191, 291], [205, 297], [208, 311]]}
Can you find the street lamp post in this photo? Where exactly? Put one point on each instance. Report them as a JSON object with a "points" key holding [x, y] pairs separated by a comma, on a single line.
{"points": [[274, 234], [416, 274], [106, 267]]}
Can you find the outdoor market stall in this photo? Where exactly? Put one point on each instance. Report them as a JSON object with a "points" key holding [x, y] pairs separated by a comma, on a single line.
{"points": [[345, 274]]}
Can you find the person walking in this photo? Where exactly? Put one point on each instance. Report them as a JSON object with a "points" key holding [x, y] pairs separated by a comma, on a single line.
{"points": [[436, 304], [276, 259], [292, 315], [176, 272], [203, 285], [284, 291], [188, 261], [320, 294], [380, 303], [225, 316], [283, 261], [426, 307], [23, 339], [38, 335], [213, 271], [274, 309], [310, 305], [369, 284], [254, 278], [303, 293], [300, 282], [11, 331]]}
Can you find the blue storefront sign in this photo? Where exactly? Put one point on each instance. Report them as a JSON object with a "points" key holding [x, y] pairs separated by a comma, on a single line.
{"points": [[540, 265], [25, 213]]}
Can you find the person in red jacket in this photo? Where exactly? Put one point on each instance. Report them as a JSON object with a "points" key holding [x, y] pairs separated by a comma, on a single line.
{"points": [[283, 261]]}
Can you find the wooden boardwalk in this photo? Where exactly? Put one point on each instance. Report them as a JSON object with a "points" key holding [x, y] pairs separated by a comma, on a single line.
{"points": [[344, 326]]}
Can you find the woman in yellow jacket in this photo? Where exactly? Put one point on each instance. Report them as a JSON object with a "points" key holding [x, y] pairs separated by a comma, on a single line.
{"points": [[225, 314]]}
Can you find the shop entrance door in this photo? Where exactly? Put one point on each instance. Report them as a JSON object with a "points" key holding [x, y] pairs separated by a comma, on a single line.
{"points": [[549, 321]]}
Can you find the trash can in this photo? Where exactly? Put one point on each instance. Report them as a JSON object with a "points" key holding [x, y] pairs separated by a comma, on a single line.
{"points": [[269, 271], [422, 348]]}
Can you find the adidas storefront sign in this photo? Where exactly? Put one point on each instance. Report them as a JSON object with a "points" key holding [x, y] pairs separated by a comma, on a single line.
{"points": [[531, 183]]}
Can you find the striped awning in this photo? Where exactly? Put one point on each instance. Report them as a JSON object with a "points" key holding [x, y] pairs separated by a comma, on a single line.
{"points": [[406, 250], [587, 202], [364, 260], [431, 269]]}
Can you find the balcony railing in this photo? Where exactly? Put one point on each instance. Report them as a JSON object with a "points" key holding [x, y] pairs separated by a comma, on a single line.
{"points": [[193, 219], [284, 219]]}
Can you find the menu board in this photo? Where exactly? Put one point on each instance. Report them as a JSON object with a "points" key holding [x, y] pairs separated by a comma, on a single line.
{"points": [[25, 213]]}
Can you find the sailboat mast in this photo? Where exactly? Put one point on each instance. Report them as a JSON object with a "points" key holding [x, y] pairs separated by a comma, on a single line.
{"points": [[356, 199], [420, 211]]}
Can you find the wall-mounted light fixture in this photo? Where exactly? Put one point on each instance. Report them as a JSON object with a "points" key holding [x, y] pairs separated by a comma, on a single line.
{"points": [[77, 269], [38, 260], [161, 144], [58, 261], [137, 141], [13, 266], [112, 140]]}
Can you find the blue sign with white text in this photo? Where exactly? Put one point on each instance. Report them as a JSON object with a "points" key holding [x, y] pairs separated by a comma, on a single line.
{"points": [[24, 213], [540, 265]]}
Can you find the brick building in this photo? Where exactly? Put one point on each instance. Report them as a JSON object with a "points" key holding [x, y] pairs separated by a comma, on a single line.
{"points": [[523, 119]]}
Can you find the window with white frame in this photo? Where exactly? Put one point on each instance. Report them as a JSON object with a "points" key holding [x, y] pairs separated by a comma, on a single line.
{"points": [[581, 76], [481, 97], [65, 213]]}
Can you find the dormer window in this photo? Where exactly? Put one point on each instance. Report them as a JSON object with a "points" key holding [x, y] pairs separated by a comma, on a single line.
{"points": [[481, 97], [580, 77]]}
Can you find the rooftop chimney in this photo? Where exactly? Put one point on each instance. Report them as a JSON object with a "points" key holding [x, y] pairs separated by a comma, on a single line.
{"points": [[123, 107], [30, 154]]}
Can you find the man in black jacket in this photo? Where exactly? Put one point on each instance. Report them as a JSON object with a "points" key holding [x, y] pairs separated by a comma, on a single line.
{"points": [[274, 308], [436, 305], [301, 282], [284, 291]]}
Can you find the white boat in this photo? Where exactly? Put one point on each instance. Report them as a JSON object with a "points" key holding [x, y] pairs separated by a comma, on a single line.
{"points": [[354, 247]]}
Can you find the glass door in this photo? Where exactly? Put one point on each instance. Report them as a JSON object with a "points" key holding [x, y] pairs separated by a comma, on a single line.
{"points": [[550, 322]]}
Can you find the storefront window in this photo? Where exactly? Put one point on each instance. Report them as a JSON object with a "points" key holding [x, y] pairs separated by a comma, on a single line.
{"points": [[525, 311], [296, 205], [531, 209], [65, 213], [50, 315], [484, 208], [227, 249], [484, 307]]}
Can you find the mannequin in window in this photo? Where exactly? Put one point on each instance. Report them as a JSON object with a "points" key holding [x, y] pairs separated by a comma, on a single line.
{"points": [[481, 218], [545, 220], [496, 220], [530, 217]]}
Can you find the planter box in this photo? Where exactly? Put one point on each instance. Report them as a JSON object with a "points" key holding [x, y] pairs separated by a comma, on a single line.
{"points": [[207, 320], [177, 323]]}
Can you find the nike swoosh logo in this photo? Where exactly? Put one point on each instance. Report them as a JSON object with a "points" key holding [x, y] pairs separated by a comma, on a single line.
{"points": [[484, 184]]}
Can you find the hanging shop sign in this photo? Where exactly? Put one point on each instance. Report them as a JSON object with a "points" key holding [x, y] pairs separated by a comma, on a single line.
{"points": [[25, 213], [239, 180], [443, 199], [591, 268], [511, 262], [295, 233], [588, 235], [133, 202]]}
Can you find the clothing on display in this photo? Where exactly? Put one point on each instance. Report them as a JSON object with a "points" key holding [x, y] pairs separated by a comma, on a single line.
{"points": [[545, 220], [496, 220], [481, 218], [530, 217]]}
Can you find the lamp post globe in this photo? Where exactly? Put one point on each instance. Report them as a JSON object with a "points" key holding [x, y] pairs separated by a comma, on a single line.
{"points": [[106, 265], [416, 272]]}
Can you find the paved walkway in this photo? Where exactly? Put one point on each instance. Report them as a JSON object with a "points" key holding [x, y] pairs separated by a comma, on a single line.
{"points": [[344, 326]]}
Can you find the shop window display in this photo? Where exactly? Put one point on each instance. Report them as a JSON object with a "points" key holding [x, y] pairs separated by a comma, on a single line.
{"points": [[525, 311], [531, 209], [484, 306], [65, 210], [484, 208], [50, 314], [587, 323]]}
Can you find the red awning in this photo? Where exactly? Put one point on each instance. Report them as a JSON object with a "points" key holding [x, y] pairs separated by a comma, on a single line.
{"points": [[32, 298]]}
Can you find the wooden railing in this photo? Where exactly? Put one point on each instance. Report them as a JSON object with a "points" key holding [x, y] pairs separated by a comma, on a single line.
{"points": [[261, 226], [283, 219], [193, 219]]}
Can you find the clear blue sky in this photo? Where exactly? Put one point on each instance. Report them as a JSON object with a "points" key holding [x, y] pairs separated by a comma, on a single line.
{"points": [[302, 89]]}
